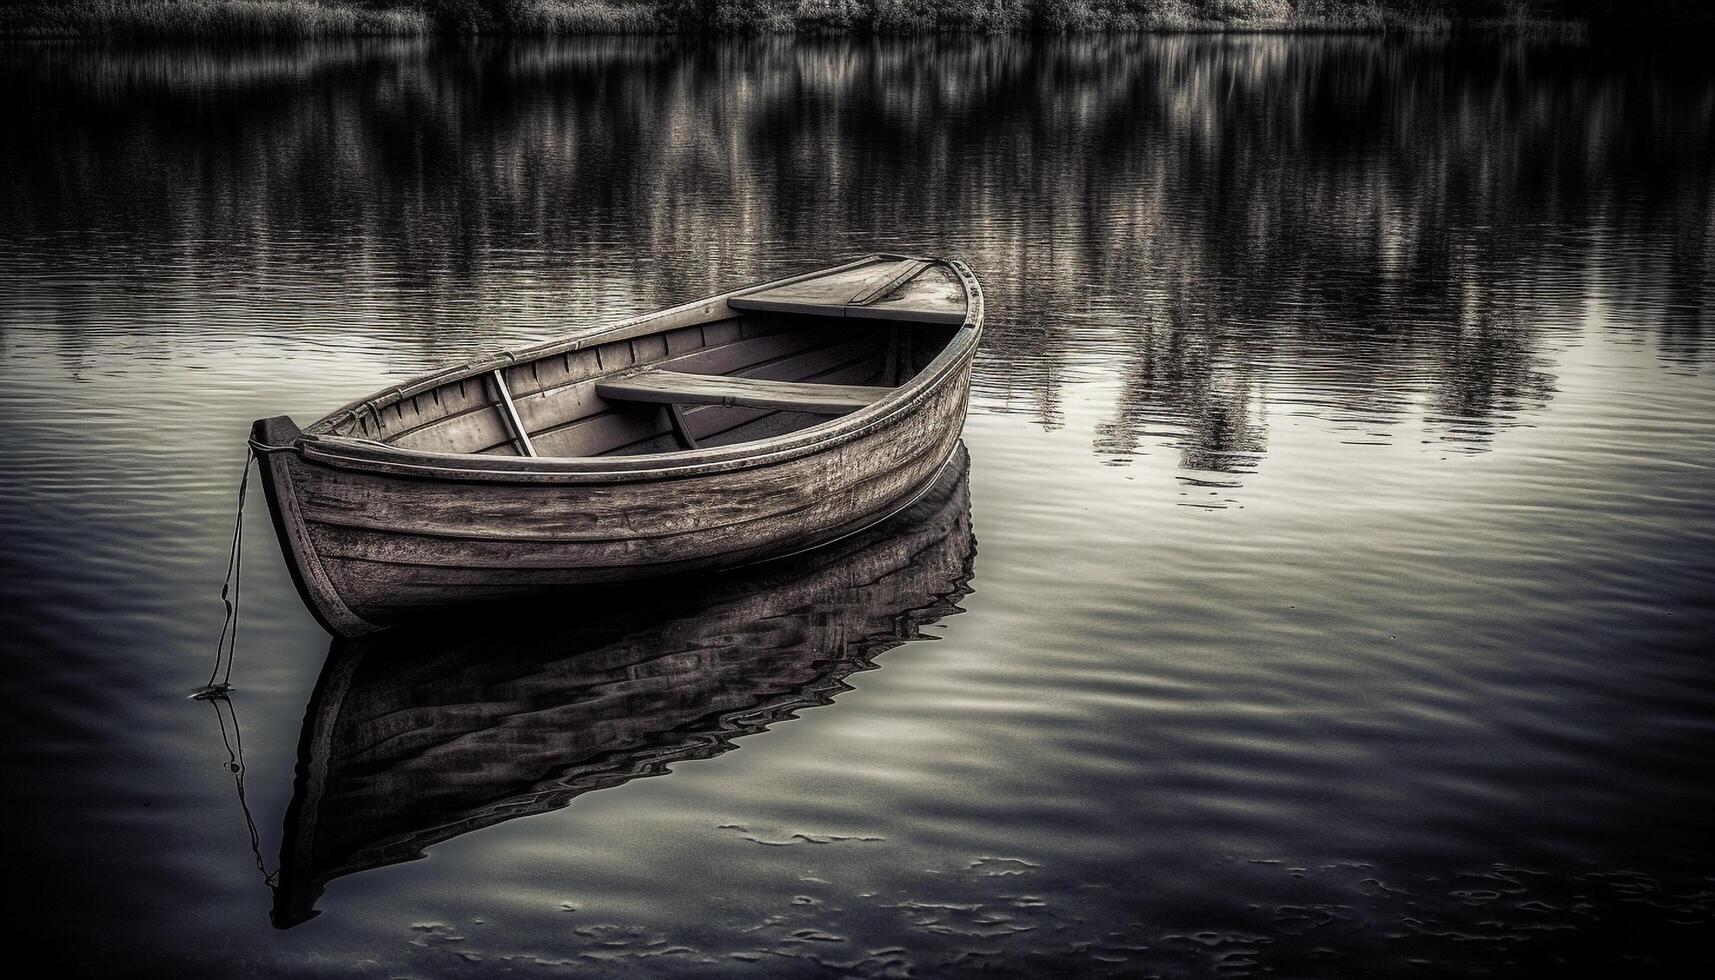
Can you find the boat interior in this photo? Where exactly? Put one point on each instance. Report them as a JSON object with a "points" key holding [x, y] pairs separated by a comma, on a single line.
{"points": [[788, 357]]}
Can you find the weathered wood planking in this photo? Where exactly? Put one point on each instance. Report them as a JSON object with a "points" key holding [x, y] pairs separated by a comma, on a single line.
{"points": [[411, 577], [823, 295], [430, 511], [897, 277], [907, 290], [445, 541], [419, 736], [554, 400], [463, 416], [678, 388], [934, 296], [508, 541]]}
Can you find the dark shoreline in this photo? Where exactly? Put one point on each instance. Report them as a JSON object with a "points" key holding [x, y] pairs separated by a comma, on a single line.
{"points": [[288, 19]]}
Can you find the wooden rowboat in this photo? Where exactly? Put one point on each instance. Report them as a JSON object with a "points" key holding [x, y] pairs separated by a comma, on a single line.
{"points": [[420, 735], [734, 429]]}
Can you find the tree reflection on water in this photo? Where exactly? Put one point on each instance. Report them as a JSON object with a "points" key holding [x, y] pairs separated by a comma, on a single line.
{"points": [[1381, 229]]}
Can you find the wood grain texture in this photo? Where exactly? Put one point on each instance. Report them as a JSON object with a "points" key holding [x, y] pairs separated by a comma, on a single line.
{"points": [[906, 290], [678, 388], [825, 295], [394, 556], [934, 295], [382, 533], [898, 276], [309, 575], [556, 402]]}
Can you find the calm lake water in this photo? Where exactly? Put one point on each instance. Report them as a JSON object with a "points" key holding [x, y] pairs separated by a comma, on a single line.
{"points": [[1331, 589]]}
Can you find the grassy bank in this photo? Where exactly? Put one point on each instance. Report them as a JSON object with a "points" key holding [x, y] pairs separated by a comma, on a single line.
{"points": [[321, 18]]}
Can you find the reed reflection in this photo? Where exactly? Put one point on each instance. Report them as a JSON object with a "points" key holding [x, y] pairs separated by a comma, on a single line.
{"points": [[416, 737], [1383, 230]]}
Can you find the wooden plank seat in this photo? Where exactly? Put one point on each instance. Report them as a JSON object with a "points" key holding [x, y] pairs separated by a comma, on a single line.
{"points": [[678, 388], [897, 288]]}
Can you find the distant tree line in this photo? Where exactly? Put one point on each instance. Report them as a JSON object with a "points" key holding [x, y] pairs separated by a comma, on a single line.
{"points": [[218, 18], [482, 16]]}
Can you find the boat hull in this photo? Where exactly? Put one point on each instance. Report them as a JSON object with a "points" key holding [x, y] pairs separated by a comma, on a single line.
{"points": [[371, 548]]}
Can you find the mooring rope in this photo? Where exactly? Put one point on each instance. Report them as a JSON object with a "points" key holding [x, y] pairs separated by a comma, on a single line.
{"points": [[229, 594], [225, 648]]}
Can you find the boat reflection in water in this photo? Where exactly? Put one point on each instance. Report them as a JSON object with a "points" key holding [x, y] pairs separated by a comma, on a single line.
{"points": [[413, 738]]}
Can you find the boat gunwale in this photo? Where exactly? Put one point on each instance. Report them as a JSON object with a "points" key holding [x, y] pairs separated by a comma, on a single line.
{"points": [[346, 452]]}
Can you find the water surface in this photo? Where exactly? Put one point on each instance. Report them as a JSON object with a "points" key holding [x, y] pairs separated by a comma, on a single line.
{"points": [[1339, 596]]}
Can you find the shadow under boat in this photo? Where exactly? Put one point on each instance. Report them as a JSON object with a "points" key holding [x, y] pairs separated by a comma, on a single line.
{"points": [[413, 738]]}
